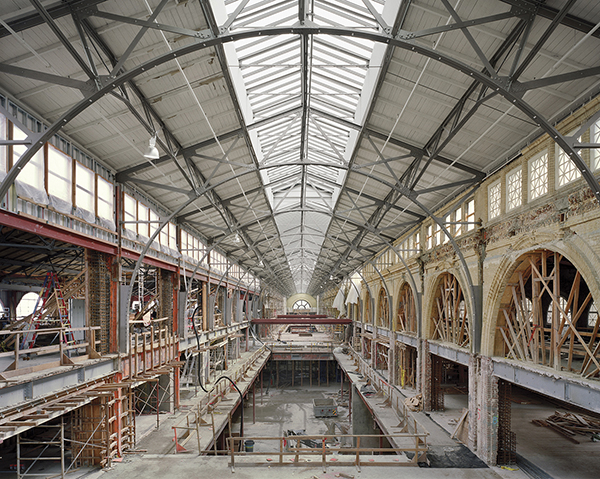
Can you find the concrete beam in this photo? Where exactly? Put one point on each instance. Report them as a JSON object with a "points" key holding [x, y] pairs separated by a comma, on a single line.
{"points": [[573, 390], [62, 378], [446, 351]]}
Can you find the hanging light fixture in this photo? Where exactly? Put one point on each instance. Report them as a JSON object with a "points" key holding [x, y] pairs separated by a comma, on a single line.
{"points": [[152, 152], [236, 238], [260, 263]]}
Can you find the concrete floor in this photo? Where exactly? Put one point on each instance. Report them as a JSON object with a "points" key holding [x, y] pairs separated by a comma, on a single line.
{"points": [[284, 409], [278, 410], [215, 467], [547, 450], [281, 409]]}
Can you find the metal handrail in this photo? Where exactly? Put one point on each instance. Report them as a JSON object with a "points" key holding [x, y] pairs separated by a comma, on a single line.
{"points": [[419, 450]]}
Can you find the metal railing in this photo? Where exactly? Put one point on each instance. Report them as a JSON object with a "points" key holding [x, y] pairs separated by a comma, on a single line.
{"points": [[197, 418], [62, 347], [292, 447]]}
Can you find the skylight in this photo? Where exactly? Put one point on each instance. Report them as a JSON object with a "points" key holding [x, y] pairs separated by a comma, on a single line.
{"points": [[306, 84]]}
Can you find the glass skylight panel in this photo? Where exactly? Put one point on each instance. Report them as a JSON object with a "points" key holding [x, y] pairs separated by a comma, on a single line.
{"points": [[260, 14], [271, 68], [348, 13]]}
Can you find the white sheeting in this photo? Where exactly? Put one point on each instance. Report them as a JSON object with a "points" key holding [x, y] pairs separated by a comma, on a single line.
{"points": [[31, 192], [352, 297], [338, 302]]}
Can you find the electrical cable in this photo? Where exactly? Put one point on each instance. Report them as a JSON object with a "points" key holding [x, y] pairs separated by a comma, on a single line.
{"points": [[218, 380], [198, 346], [260, 340]]}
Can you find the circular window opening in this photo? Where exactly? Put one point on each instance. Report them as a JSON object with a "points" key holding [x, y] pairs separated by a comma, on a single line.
{"points": [[301, 304]]}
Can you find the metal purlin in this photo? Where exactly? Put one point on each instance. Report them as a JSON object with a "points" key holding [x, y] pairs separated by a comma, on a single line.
{"points": [[510, 92]]}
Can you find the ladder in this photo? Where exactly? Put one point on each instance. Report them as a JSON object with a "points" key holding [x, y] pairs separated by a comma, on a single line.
{"points": [[190, 371], [63, 311], [51, 283]]}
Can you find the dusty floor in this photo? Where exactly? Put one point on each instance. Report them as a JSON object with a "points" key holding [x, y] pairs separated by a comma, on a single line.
{"points": [[284, 409], [555, 456], [278, 410]]}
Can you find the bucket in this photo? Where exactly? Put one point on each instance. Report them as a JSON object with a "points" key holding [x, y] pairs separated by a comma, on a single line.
{"points": [[249, 445]]}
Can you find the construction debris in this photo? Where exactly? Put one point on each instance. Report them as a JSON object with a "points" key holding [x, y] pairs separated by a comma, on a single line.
{"points": [[414, 403], [367, 390], [570, 424]]}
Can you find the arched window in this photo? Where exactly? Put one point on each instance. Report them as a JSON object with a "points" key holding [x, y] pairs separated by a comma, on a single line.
{"points": [[548, 316], [301, 304], [449, 313], [406, 319], [383, 310], [27, 305]]}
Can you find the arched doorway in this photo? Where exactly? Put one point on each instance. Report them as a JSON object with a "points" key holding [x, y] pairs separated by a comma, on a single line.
{"points": [[548, 317], [406, 355], [449, 316]]}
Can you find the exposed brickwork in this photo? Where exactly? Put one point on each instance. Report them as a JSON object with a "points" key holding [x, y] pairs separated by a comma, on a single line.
{"points": [[486, 411], [425, 375], [474, 367]]}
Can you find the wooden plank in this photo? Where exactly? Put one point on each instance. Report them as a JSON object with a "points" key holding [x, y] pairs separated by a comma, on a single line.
{"points": [[592, 357], [460, 422], [31, 369]]}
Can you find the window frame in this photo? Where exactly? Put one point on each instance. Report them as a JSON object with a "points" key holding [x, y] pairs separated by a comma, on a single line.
{"points": [[509, 175], [3, 148], [595, 152], [558, 154], [101, 200], [127, 215], [530, 162], [143, 214], [449, 226], [458, 226], [77, 166], [470, 215], [37, 161], [496, 185], [429, 236], [53, 177]]}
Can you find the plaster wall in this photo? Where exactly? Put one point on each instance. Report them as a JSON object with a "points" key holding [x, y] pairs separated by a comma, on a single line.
{"points": [[565, 220]]}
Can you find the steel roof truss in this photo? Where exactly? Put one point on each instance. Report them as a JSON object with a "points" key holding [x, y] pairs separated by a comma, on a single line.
{"points": [[147, 24]]}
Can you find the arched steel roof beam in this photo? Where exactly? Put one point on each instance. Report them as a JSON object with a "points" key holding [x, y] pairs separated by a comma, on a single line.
{"points": [[494, 83]]}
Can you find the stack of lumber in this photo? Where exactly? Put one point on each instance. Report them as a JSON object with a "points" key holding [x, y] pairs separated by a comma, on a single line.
{"points": [[570, 424]]}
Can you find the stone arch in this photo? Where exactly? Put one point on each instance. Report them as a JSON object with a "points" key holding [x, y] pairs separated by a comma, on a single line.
{"points": [[405, 319], [383, 309], [301, 304], [295, 298], [545, 313], [368, 316], [449, 312], [573, 247]]}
